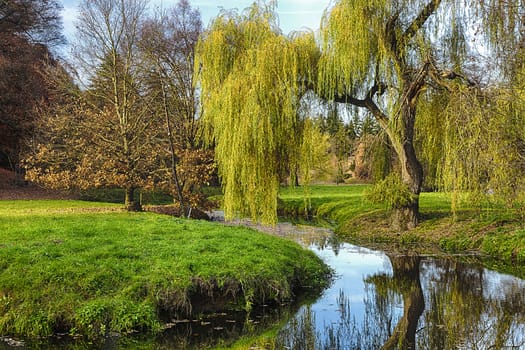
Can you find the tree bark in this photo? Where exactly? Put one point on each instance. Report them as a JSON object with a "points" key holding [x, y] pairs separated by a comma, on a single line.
{"points": [[402, 137], [129, 202], [407, 217], [173, 155]]}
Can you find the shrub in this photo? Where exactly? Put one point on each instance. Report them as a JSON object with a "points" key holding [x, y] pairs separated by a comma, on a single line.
{"points": [[390, 192]]}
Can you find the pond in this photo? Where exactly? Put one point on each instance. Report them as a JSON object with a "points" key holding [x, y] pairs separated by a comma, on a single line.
{"points": [[377, 300], [400, 300]]}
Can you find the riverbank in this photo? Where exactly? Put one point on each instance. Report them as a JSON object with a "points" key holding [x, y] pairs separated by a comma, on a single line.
{"points": [[493, 231], [90, 269]]}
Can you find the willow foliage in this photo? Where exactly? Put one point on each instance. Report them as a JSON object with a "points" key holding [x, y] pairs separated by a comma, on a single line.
{"points": [[473, 139], [410, 63], [351, 44], [474, 144], [367, 42], [252, 79]]}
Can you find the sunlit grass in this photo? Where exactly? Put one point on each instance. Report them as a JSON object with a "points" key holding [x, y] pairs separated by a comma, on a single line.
{"points": [[37, 207], [83, 268], [488, 227]]}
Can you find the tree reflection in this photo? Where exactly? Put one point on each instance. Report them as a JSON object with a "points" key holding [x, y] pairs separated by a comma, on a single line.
{"points": [[422, 304], [471, 308], [405, 281]]}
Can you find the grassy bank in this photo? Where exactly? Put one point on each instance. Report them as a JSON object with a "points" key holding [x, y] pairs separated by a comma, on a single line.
{"points": [[90, 269], [491, 230]]}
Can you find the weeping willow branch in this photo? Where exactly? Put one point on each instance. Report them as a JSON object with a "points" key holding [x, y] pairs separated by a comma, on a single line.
{"points": [[367, 102], [444, 77], [251, 85]]}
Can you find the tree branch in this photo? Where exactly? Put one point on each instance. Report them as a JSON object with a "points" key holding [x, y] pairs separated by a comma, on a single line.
{"points": [[367, 103], [420, 20], [378, 88], [442, 76]]}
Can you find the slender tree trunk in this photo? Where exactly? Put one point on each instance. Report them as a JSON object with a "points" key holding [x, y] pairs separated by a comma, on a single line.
{"points": [[407, 217], [175, 177], [129, 202], [173, 155]]}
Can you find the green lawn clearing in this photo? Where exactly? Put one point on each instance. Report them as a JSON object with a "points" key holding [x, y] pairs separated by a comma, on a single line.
{"points": [[89, 268]]}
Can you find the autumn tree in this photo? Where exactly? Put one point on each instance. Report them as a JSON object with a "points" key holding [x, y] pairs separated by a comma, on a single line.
{"points": [[251, 79], [22, 88], [107, 33], [167, 45], [108, 134]]}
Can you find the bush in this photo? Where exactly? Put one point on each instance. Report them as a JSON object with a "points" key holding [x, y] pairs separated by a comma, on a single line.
{"points": [[390, 192]]}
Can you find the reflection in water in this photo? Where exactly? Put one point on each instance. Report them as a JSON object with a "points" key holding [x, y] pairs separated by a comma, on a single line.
{"points": [[221, 329], [471, 308], [392, 301], [378, 301]]}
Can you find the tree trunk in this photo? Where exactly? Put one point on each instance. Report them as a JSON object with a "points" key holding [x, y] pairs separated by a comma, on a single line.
{"points": [[129, 202], [173, 155], [178, 187], [407, 217]]}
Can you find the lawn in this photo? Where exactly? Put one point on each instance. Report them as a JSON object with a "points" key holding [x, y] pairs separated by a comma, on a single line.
{"points": [[89, 268], [490, 229], [332, 202]]}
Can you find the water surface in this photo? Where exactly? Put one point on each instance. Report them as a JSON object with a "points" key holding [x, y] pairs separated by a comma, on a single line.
{"points": [[406, 301], [378, 300]]}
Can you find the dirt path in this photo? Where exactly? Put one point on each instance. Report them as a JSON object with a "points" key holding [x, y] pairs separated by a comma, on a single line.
{"points": [[302, 234]]}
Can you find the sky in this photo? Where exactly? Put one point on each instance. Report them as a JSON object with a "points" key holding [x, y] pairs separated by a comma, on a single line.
{"points": [[293, 14]]}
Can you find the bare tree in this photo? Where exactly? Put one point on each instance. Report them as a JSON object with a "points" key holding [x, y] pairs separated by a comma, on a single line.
{"points": [[106, 50], [167, 45]]}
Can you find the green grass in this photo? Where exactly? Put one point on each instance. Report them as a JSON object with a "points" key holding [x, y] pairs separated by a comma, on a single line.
{"points": [[117, 195], [44, 207], [327, 202], [90, 269], [490, 229]]}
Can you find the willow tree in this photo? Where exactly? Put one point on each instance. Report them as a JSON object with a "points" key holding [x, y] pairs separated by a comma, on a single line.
{"points": [[252, 79], [384, 56]]}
